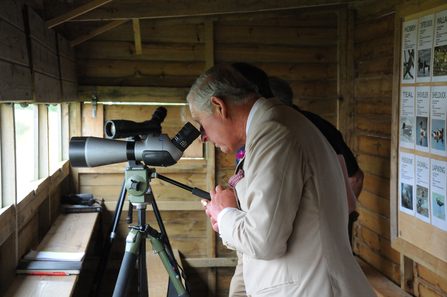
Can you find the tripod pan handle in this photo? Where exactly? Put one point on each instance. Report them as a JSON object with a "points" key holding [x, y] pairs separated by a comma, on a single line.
{"points": [[201, 193]]}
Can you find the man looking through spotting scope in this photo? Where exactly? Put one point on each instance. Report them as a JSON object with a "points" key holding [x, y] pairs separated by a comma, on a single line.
{"points": [[287, 212]]}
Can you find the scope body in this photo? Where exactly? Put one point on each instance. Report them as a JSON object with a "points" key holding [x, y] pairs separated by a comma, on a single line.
{"points": [[155, 150]]}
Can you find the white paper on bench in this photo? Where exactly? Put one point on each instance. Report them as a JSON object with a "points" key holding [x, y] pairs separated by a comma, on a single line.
{"points": [[54, 256]]}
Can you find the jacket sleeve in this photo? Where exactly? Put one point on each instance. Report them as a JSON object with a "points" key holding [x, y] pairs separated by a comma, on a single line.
{"points": [[275, 174]]}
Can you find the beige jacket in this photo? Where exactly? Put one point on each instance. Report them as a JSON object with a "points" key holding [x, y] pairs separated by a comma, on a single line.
{"points": [[292, 224]]}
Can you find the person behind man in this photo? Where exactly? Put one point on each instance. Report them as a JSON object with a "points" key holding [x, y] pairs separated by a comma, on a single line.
{"points": [[282, 90], [287, 212]]}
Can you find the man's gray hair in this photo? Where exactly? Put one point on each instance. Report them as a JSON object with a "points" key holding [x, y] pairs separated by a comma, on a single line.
{"points": [[224, 82]]}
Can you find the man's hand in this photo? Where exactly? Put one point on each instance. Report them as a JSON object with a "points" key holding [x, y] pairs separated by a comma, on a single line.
{"points": [[220, 199]]}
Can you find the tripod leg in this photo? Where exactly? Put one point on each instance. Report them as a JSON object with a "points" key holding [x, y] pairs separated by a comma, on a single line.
{"points": [[110, 237], [172, 271], [128, 265]]}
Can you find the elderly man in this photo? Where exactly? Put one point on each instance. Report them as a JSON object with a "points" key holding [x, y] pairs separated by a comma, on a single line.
{"points": [[287, 212]]}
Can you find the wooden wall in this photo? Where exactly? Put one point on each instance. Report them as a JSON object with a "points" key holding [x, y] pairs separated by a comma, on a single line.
{"points": [[374, 48]]}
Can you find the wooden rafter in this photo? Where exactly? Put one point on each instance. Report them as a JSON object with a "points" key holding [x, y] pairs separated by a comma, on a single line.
{"points": [[137, 36], [143, 9], [76, 12], [96, 32]]}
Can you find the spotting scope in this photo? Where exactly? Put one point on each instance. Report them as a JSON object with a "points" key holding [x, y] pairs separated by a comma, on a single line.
{"points": [[150, 145]]}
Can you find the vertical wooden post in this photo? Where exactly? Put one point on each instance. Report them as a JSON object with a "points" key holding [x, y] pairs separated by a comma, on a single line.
{"points": [[211, 163], [345, 85], [137, 36], [75, 130], [43, 163], [407, 274]]}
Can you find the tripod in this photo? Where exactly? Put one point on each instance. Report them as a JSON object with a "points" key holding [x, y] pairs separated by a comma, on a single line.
{"points": [[137, 183]]}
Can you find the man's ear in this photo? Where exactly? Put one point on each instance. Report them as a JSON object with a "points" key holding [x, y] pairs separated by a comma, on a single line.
{"points": [[219, 106]]}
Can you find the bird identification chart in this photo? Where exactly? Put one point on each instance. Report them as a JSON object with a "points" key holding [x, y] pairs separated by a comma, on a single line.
{"points": [[425, 48], [410, 30], [423, 188], [407, 117], [440, 48], [438, 192], [438, 120], [422, 116], [406, 184]]}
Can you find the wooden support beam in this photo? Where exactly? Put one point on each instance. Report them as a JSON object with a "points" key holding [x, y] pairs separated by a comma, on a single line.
{"points": [[211, 262], [96, 32], [211, 163], [137, 36], [43, 163], [75, 12]]}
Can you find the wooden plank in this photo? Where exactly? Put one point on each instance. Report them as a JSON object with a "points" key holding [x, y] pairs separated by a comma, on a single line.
{"points": [[11, 11], [96, 32], [381, 285], [7, 216], [13, 45], [211, 262], [377, 146], [175, 51], [137, 36], [16, 83], [75, 12], [43, 60], [93, 126], [68, 70], [43, 161], [46, 88], [420, 256], [42, 286], [70, 91], [142, 9], [429, 277], [423, 235], [70, 233], [64, 48], [373, 106], [36, 29], [407, 277], [8, 169]]}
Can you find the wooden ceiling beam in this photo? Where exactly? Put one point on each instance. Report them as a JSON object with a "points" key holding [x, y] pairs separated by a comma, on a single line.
{"points": [[141, 9], [137, 36], [96, 32], [75, 12]]}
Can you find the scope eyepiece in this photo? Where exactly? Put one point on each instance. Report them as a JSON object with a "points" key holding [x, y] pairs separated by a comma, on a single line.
{"points": [[185, 136]]}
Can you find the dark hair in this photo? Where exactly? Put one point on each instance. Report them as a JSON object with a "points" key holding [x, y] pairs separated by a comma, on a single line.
{"points": [[282, 90], [256, 76]]}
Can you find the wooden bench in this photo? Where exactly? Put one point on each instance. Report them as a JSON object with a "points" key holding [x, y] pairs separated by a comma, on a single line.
{"points": [[70, 233], [381, 285]]}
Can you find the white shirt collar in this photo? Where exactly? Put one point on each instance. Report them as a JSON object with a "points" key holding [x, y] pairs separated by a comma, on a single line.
{"points": [[253, 111]]}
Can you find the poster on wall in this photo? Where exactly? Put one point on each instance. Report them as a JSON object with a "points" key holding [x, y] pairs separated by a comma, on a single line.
{"points": [[438, 117], [406, 183], [440, 48], [407, 117], [438, 192], [422, 118], [423, 188], [409, 42], [425, 47]]}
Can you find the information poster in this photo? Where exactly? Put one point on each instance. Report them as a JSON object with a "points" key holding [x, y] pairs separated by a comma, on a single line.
{"points": [[422, 118], [438, 117], [440, 48], [423, 188], [407, 117], [406, 183], [410, 29], [438, 192], [425, 48]]}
